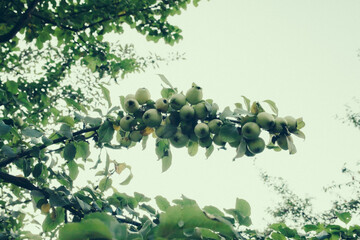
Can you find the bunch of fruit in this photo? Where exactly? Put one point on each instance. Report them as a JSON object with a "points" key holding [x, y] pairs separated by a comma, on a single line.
{"points": [[184, 118]]}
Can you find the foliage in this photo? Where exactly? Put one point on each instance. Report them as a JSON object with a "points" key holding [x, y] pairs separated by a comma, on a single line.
{"points": [[48, 130]]}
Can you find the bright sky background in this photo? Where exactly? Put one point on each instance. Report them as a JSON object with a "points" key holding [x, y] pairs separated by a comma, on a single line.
{"points": [[301, 54]]}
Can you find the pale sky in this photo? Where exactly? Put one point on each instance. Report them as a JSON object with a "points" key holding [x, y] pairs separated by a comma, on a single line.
{"points": [[301, 54]]}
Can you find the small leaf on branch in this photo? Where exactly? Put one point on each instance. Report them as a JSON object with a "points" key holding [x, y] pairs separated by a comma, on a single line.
{"points": [[4, 129], [106, 94], [106, 132], [165, 80], [162, 203], [31, 133], [66, 119], [69, 151], [272, 106], [209, 151], [166, 161], [105, 184]]}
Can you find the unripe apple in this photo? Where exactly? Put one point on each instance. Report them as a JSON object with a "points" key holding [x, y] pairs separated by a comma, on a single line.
{"points": [[236, 143], [187, 113], [173, 118], [187, 127], [152, 118], [282, 142], [126, 123], [215, 125], [131, 105], [291, 123], [250, 130], [256, 146], [166, 131], [177, 101], [205, 142], [201, 130], [248, 153], [125, 142], [162, 104], [142, 95], [218, 141], [135, 136], [179, 140], [194, 95], [200, 110], [229, 133], [130, 96], [280, 123], [265, 120]]}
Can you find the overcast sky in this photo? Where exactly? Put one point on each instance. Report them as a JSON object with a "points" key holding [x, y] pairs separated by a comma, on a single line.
{"points": [[301, 54]]}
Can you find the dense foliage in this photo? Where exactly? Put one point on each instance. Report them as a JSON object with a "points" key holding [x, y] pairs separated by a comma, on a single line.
{"points": [[47, 131]]}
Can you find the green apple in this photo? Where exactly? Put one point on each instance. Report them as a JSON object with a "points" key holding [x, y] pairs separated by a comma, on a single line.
{"points": [[201, 130], [248, 153], [173, 118], [280, 124], [194, 95], [125, 142], [179, 140], [250, 130], [292, 123], [162, 104], [131, 105], [152, 118], [229, 133], [135, 136], [282, 142], [187, 127], [166, 131], [200, 110], [215, 125], [256, 146], [236, 143], [247, 118], [142, 95], [130, 96], [126, 123], [177, 101], [187, 113], [205, 142], [265, 120], [218, 141]]}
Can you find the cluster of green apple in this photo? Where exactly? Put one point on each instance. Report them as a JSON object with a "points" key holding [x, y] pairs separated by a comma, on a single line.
{"points": [[182, 118]]}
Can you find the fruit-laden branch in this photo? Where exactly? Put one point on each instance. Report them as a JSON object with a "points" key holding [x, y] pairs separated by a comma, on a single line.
{"points": [[29, 151], [20, 24]]}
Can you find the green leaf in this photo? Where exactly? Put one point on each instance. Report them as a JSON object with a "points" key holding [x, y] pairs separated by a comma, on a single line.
{"points": [[73, 169], [53, 219], [106, 94], [105, 184], [144, 141], [65, 131], [87, 229], [192, 148], [37, 170], [226, 113], [165, 80], [166, 161], [273, 106], [300, 123], [82, 150], [277, 236], [93, 121], [4, 129], [66, 119], [209, 151], [310, 227], [69, 151], [162, 203], [213, 210], [299, 134], [247, 103], [243, 207], [106, 132], [31, 133], [107, 164], [141, 197], [345, 217], [12, 86], [291, 146], [241, 149], [127, 180]]}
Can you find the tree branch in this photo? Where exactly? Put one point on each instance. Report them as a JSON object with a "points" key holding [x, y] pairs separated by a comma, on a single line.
{"points": [[29, 151], [20, 24]]}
